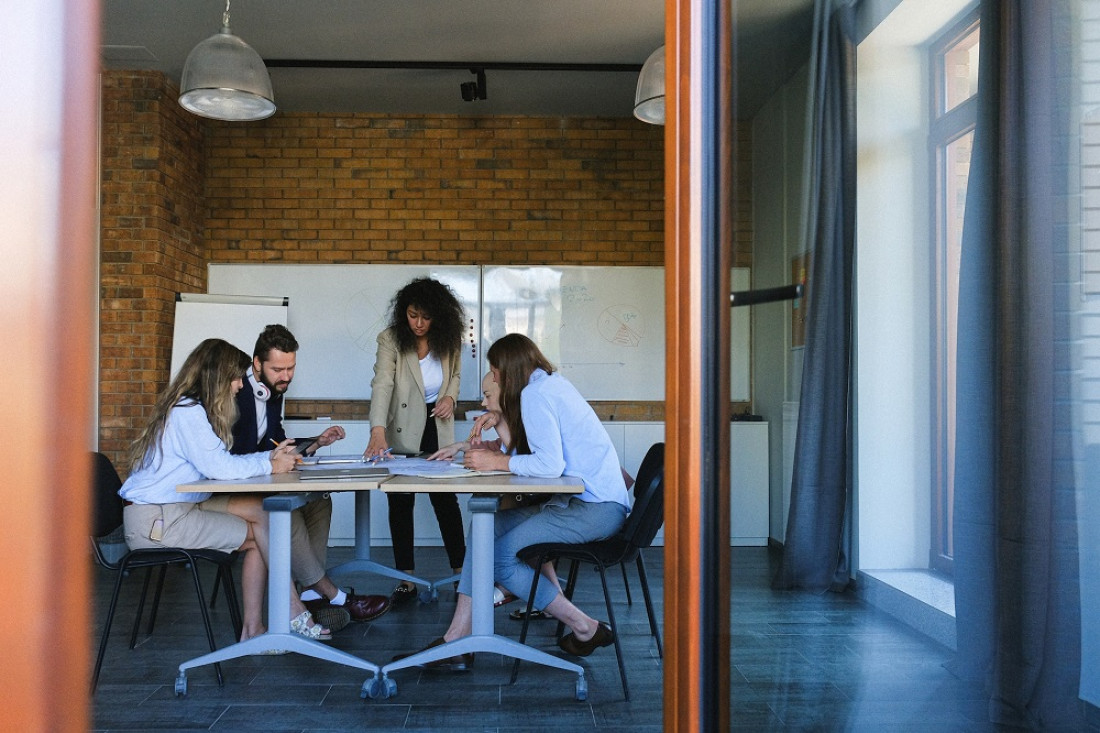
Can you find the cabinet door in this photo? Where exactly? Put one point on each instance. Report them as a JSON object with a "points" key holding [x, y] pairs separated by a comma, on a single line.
{"points": [[749, 483]]}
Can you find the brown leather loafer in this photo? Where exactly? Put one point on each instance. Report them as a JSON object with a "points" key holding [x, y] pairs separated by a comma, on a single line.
{"points": [[366, 608], [570, 644], [460, 663], [355, 608]]}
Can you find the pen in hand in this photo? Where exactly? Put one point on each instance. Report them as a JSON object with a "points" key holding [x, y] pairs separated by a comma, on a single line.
{"points": [[297, 459], [382, 456]]}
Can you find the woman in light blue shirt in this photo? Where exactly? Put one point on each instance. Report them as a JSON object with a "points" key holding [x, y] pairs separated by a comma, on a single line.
{"points": [[188, 439], [554, 433]]}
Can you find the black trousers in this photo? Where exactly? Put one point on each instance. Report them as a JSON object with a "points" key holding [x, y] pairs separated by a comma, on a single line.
{"points": [[445, 504]]}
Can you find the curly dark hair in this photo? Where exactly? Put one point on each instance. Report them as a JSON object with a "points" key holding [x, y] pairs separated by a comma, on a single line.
{"points": [[438, 301]]}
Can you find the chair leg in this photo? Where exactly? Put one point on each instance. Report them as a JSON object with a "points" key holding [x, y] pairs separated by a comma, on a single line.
{"points": [[649, 606], [141, 606], [231, 600], [570, 587], [626, 584], [527, 618], [614, 631], [217, 582], [205, 617], [106, 629], [156, 600]]}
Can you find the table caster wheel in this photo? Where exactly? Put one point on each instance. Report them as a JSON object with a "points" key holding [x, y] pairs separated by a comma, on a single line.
{"points": [[427, 596], [372, 688], [582, 689], [181, 685], [389, 687]]}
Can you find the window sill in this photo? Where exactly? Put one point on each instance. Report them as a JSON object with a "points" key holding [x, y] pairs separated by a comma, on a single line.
{"points": [[919, 598]]}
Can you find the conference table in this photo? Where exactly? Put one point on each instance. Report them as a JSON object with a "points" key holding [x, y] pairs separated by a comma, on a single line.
{"points": [[285, 493], [485, 491], [361, 561]]}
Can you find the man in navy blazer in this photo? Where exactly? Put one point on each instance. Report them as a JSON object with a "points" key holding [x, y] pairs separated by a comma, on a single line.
{"points": [[259, 425]]}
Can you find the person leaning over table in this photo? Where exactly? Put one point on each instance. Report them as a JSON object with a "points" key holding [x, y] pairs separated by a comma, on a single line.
{"points": [[556, 433], [188, 439], [490, 391], [260, 425], [413, 396]]}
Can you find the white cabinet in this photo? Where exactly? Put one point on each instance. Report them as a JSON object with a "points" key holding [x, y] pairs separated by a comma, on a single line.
{"points": [[748, 472], [749, 483], [748, 479]]}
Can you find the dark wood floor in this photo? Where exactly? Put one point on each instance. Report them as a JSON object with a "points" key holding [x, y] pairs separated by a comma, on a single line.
{"points": [[799, 663]]}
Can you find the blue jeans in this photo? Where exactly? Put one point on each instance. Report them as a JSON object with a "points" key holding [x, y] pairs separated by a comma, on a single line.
{"points": [[564, 519]]}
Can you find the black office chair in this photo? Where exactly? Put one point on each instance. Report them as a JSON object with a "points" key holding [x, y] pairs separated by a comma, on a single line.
{"points": [[111, 552], [636, 534]]}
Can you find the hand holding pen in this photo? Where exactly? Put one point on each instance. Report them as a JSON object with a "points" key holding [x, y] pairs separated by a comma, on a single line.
{"points": [[283, 459]]}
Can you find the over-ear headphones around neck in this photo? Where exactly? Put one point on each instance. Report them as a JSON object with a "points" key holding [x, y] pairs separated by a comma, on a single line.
{"points": [[261, 391]]}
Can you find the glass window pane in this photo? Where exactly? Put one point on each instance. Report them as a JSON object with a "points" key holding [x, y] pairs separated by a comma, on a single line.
{"points": [[960, 71]]}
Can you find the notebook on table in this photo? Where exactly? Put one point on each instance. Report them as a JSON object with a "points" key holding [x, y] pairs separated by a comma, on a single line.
{"points": [[328, 474]]}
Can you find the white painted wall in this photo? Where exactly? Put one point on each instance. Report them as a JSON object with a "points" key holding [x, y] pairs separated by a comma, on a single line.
{"points": [[893, 304]]}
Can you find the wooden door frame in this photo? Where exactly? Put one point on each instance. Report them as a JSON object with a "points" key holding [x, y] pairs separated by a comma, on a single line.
{"points": [[698, 245]]}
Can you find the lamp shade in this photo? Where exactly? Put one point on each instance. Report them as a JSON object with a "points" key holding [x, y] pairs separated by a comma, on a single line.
{"points": [[225, 79], [649, 98]]}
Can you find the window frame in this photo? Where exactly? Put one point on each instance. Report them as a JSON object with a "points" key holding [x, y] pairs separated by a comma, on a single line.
{"points": [[945, 128]]}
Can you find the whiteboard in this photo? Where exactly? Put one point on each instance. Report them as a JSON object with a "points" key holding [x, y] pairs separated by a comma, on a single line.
{"points": [[336, 313], [604, 327], [237, 323]]}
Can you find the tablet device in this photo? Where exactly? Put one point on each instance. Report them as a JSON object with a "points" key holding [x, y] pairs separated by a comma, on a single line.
{"points": [[301, 444]]}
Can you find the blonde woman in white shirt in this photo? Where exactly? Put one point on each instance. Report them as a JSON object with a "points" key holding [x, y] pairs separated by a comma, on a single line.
{"points": [[188, 439]]}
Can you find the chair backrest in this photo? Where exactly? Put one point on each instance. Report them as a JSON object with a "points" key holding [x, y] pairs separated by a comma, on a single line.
{"points": [[648, 513], [106, 503], [106, 528]]}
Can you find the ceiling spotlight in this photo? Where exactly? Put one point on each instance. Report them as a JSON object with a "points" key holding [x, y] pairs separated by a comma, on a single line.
{"points": [[225, 79], [474, 90]]}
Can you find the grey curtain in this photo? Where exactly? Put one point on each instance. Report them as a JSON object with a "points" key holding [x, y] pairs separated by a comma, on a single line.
{"points": [[815, 553], [1016, 564]]}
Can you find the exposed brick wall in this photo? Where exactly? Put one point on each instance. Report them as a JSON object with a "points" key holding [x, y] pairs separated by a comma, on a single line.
{"points": [[180, 192], [151, 244], [444, 189]]}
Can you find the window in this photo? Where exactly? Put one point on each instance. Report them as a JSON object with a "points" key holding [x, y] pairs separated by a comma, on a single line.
{"points": [[954, 65]]}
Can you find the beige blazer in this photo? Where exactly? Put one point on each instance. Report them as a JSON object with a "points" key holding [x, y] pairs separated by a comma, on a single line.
{"points": [[397, 395]]}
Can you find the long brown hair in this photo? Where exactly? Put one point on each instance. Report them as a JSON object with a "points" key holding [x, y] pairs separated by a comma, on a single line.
{"points": [[205, 380], [516, 357]]}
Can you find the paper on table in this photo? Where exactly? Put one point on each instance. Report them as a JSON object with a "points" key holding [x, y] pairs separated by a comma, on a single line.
{"points": [[423, 468]]}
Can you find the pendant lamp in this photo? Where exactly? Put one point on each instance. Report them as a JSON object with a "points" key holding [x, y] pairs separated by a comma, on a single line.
{"points": [[649, 98], [225, 79]]}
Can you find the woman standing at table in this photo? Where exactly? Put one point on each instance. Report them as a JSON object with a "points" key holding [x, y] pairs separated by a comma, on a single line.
{"points": [[554, 433], [188, 439], [413, 398]]}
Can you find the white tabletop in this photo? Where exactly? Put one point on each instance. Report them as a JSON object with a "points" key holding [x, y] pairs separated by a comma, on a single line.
{"points": [[503, 483], [282, 482]]}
